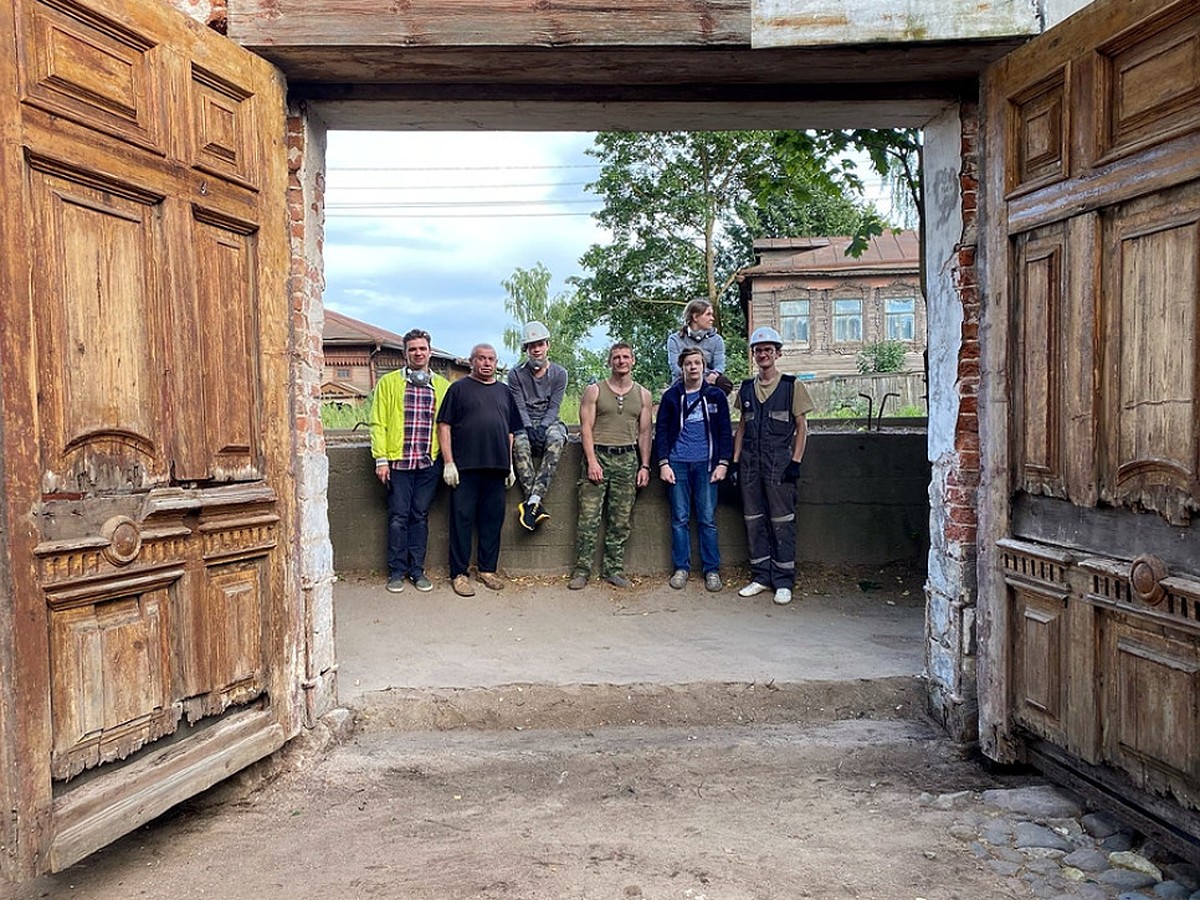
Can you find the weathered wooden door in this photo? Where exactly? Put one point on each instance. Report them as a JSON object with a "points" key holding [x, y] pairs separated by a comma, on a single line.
{"points": [[148, 626], [1090, 585]]}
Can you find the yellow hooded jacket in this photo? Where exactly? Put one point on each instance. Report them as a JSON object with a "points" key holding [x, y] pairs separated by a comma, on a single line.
{"points": [[387, 414]]}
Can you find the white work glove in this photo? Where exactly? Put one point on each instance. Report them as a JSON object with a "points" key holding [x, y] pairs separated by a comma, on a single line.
{"points": [[511, 479], [450, 475]]}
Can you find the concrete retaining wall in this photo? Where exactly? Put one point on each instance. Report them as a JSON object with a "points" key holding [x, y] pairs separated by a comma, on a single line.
{"points": [[863, 500]]}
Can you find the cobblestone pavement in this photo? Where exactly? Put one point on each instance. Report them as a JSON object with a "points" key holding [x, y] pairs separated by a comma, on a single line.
{"points": [[1047, 842]]}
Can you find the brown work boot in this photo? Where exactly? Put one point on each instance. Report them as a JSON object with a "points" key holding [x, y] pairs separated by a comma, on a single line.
{"points": [[462, 586], [491, 581]]}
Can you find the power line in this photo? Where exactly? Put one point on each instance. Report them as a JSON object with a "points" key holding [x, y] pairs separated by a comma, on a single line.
{"points": [[453, 187], [452, 204], [453, 215], [458, 168]]}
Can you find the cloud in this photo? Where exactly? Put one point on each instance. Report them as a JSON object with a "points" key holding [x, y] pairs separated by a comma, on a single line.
{"points": [[422, 227]]}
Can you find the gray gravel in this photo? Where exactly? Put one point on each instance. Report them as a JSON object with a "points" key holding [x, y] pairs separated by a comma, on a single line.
{"points": [[1043, 839]]}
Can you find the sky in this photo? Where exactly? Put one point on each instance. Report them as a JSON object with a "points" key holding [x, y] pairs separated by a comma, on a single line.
{"points": [[422, 227]]}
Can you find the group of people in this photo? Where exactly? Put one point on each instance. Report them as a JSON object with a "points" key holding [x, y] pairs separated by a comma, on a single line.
{"points": [[480, 436]]}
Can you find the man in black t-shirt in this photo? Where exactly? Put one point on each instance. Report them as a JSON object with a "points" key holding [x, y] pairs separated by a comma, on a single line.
{"points": [[476, 423]]}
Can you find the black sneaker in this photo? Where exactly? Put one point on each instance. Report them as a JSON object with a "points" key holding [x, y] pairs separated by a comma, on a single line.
{"points": [[532, 515], [523, 516]]}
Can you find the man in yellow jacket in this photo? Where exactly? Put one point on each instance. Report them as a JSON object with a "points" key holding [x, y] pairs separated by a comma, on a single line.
{"points": [[404, 444]]}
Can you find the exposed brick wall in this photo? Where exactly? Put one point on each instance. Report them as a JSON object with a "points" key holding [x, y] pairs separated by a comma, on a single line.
{"points": [[313, 550], [961, 493], [962, 490]]}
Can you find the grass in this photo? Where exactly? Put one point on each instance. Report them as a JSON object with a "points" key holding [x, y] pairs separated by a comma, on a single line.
{"points": [[337, 416]]}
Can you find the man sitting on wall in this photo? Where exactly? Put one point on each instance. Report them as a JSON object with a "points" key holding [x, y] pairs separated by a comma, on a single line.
{"points": [[537, 386]]}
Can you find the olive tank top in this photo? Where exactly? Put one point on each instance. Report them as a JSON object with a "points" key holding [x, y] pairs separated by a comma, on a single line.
{"points": [[617, 416]]}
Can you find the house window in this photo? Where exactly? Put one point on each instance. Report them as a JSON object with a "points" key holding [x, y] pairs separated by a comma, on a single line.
{"points": [[343, 373], [793, 321], [901, 318], [847, 321]]}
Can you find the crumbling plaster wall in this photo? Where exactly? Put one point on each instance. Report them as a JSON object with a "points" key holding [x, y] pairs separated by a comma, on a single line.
{"points": [[951, 181]]}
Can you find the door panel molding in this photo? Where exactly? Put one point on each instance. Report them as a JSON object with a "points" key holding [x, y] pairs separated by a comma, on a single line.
{"points": [[147, 467], [84, 66], [1089, 401], [1148, 79]]}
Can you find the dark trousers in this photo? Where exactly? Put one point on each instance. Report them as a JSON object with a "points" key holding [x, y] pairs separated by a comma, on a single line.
{"points": [[476, 504], [410, 494], [769, 508]]}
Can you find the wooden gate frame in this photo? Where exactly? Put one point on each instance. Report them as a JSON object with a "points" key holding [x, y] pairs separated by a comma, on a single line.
{"points": [[44, 832]]}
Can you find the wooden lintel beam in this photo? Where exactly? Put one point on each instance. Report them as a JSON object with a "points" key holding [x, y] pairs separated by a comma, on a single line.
{"points": [[585, 115], [501, 92], [603, 67], [489, 23]]}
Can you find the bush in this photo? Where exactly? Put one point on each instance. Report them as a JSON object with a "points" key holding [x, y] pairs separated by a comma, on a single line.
{"points": [[337, 416], [882, 356]]}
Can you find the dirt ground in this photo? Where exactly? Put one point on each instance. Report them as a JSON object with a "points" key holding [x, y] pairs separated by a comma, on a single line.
{"points": [[822, 809], [685, 788]]}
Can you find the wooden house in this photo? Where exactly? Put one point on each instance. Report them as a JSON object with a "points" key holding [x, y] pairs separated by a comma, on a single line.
{"points": [[355, 355], [828, 306]]}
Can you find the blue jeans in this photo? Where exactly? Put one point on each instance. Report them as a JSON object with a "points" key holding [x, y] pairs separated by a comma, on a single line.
{"points": [[694, 489], [410, 494]]}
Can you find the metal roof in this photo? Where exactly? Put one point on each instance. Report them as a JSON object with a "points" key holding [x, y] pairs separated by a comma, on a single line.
{"points": [[888, 253]]}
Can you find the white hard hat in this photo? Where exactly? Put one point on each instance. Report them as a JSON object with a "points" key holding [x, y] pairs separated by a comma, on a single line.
{"points": [[534, 332], [766, 335]]}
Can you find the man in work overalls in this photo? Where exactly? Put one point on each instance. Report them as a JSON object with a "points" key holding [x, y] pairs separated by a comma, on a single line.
{"points": [[767, 450]]}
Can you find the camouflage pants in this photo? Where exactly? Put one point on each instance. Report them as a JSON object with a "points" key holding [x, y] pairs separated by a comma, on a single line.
{"points": [[615, 495], [548, 441]]}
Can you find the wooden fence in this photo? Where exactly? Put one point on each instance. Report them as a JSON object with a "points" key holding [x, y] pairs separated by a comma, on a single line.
{"points": [[895, 390]]}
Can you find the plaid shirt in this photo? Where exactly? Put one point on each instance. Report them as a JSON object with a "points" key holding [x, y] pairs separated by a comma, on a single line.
{"points": [[418, 428]]}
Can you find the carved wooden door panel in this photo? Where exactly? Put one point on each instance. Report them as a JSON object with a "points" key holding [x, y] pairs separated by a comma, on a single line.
{"points": [[146, 439], [1089, 514]]}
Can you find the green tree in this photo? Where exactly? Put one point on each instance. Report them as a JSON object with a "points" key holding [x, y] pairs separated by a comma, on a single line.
{"points": [[894, 153], [529, 300], [684, 209]]}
